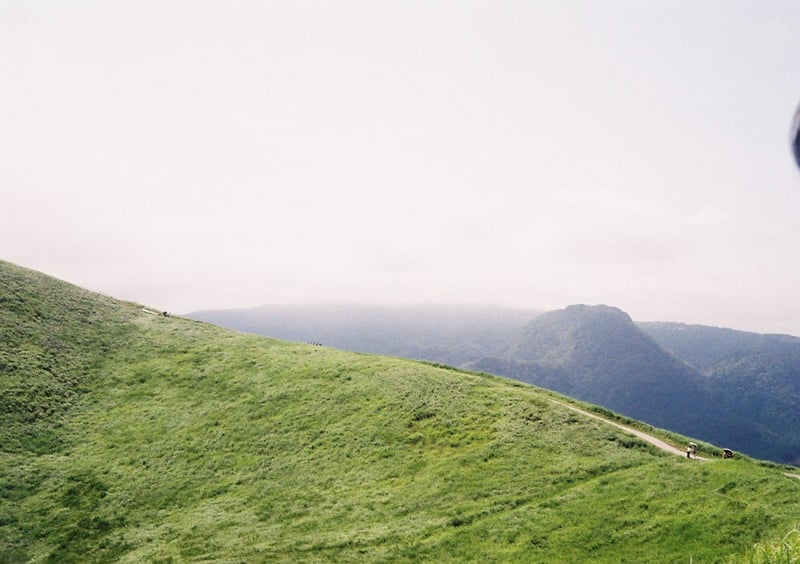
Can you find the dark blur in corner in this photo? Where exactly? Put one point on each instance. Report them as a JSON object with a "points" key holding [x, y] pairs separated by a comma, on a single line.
{"points": [[795, 137]]}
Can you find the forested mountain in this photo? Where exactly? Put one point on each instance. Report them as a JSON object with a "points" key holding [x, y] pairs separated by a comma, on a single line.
{"points": [[597, 354], [754, 379], [129, 436], [707, 348]]}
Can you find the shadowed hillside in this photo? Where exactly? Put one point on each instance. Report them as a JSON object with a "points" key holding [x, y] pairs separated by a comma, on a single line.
{"points": [[754, 378], [707, 347], [53, 339], [168, 439]]}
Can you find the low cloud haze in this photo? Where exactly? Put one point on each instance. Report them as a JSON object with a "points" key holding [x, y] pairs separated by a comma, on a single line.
{"points": [[199, 155]]}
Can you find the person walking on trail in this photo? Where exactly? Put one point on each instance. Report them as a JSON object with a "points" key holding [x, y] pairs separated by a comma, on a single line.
{"points": [[688, 452]]}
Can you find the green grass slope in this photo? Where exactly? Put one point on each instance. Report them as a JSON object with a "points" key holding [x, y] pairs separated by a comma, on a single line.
{"points": [[131, 437]]}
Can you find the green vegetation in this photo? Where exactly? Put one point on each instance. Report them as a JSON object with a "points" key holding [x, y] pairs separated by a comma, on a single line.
{"points": [[133, 437], [53, 337], [785, 551]]}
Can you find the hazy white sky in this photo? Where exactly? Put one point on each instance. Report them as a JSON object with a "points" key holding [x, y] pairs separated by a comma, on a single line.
{"points": [[196, 155]]}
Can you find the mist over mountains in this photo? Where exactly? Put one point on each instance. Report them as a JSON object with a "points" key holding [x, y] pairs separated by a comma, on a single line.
{"points": [[734, 388], [448, 334]]}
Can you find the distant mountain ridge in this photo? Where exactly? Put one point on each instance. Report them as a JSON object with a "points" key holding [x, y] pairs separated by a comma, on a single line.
{"points": [[754, 380], [451, 335], [703, 346]]}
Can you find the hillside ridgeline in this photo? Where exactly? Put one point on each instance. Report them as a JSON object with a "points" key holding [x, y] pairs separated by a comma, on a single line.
{"points": [[134, 437]]}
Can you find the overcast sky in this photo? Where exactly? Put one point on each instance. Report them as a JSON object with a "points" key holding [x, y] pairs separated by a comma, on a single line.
{"points": [[197, 155]]}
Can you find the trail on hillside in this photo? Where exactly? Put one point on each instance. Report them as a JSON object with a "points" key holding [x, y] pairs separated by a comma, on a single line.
{"points": [[641, 434], [644, 436]]}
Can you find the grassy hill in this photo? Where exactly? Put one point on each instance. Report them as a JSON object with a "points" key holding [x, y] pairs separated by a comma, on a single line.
{"points": [[131, 437]]}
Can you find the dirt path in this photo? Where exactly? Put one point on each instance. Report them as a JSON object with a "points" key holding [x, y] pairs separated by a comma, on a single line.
{"points": [[641, 434]]}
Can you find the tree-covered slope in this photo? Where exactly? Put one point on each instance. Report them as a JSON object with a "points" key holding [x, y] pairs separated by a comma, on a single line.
{"points": [[755, 379], [181, 441], [707, 347]]}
